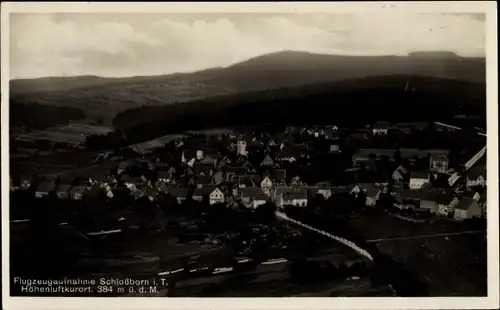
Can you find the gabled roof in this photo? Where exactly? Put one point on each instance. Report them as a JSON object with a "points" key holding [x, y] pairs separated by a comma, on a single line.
{"points": [[477, 171], [339, 190], [419, 175], [372, 191], [235, 170], [45, 187], [78, 189], [203, 179], [279, 174], [381, 125], [443, 199], [205, 190], [253, 192], [289, 195], [150, 192], [94, 191], [465, 203], [469, 194], [180, 192], [408, 193], [289, 151], [164, 174], [63, 188]]}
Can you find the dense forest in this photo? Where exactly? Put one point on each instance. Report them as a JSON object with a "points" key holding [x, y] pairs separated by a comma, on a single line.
{"points": [[349, 103], [40, 116]]}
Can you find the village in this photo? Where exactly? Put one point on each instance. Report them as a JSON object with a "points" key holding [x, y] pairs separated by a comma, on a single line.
{"points": [[214, 190], [253, 169]]}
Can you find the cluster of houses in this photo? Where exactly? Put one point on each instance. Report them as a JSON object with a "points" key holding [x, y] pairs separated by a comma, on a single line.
{"points": [[253, 169]]}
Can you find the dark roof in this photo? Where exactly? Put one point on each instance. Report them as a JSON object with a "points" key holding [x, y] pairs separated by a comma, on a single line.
{"points": [[443, 199], [233, 169], [95, 190], [163, 174], [63, 188], [78, 189], [477, 171], [150, 192], [372, 191], [408, 194], [253, 192], [465, 203], [181, 192], [289, 151], [205, 168], [294, 195], [130, 179], [203, 179], [205, 190], [419, 174], [469, 194], [381, 124], [279, 174], [339, 190], [45, 187], [256, 178]]}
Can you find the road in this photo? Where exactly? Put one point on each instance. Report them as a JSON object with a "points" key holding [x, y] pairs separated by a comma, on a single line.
{"points": [[428, 236]]}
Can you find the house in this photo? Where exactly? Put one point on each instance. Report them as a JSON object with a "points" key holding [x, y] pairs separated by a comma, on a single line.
{"points": [[446, 203], [164, 176], [188, 157], [151, 193], [334, 148], [215, 195], [399, 174], [77, 191], [43, 189], [438, 163], [288, 154], [292, 198], [232, 171], [476, 176], [266, 185], [267, 161], [372, 195], [358, 188], [241, 146], [97, 176], [210, 159], [418, 179], [467, 208], [202, 180], [279, 176], [62, 191], [122, 167], [244, 181], [203, 169], [429, 203], [253, 196], [406, 199], [380, 128], [132, 183], [218, 177], [472, 194], [179, 193]]}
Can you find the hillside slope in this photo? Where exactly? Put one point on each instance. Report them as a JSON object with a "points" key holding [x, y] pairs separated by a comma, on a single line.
{"points": [[353, 102], [106, 97]]}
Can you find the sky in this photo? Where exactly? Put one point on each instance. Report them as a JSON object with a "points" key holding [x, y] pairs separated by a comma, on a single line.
{"points": [[131, 44]]}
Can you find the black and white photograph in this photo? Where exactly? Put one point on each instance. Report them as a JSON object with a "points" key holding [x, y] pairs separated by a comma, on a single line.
{"points": [[285, 150]]}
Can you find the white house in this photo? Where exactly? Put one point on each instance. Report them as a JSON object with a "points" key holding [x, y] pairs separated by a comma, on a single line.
{"points": [[199, 154], [380, 128], [266, 185], [295, 198], [216, 196], [418, 179], [467, 208], [446, 204], [476, 176], [241, 147]]}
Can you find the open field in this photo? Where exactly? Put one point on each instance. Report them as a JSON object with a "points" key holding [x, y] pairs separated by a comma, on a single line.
{"points": [[74, 133], [451, 265]]}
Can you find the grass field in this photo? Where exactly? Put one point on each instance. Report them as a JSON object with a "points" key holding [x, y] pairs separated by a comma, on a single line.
{"points": [[453, 265]]}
